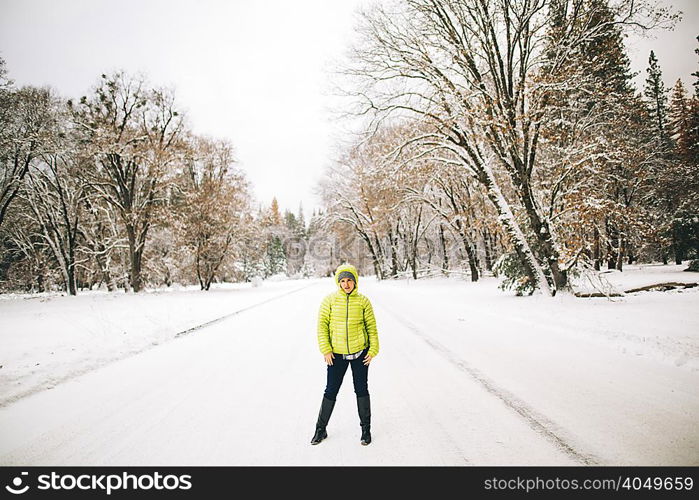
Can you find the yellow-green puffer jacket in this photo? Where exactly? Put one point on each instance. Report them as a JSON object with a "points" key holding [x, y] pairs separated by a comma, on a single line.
{"points": [[346, 322]]}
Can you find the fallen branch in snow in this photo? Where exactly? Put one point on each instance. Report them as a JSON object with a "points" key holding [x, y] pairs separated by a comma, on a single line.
{"points": [[662, 287], [597, 281], [659, 287], [597, 294]]}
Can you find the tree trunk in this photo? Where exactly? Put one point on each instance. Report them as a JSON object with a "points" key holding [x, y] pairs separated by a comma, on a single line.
{"points": [[612, 245], [445, 252], [414, 244], [379, 257], [472, 257], [135, 255], [596, 250], [543, 238], [104, 270], [519, 242], [430, 251], [197, 260], [413, 266], [677, 247], [136, 278], [72, 285], [40, 282], [72, 277], [207, 276], [393, 240], [374, 257], [488, 245], [470, 250], [620, 254]]}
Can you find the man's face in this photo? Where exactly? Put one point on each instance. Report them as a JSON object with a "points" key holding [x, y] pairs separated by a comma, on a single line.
{"points": [[347, 284]]}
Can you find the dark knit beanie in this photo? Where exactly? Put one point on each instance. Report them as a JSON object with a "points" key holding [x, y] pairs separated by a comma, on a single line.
{"points": [[345, 274]]}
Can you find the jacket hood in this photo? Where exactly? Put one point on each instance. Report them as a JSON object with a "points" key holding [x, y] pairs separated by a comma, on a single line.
{"points": [[350, 268]]}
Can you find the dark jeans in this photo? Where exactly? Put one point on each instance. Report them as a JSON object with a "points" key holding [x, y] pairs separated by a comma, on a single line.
{"points": [[336, 372]]}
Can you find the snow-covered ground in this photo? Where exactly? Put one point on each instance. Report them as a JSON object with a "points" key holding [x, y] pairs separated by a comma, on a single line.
{"points": [[467, 374], [48, 338]]}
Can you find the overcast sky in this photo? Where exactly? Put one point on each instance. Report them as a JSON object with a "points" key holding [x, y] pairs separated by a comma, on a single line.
{"points": [[254, 72]]}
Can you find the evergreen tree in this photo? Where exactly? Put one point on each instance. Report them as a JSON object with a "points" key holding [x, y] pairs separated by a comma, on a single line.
{"points": [[696, 75], [274, 231], [679, 120], [275, 259], [594, 134], [301, 222], [605, 56], [656, 96], [290, 221], [682, 182], [693, 133]]}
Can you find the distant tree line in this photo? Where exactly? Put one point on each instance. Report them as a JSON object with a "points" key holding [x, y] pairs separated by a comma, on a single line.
{"points": [[507, 136], [114, 190]]}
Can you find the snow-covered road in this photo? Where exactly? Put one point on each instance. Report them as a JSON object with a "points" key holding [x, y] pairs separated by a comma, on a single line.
{"points": [[456, 383], [595, 401]]}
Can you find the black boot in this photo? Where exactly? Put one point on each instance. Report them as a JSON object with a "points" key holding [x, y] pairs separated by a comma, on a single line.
{"points": [[364, 409], [326, 409]]}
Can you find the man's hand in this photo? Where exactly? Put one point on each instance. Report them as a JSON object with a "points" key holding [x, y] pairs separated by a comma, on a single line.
{"points": [[367, 359], [329, 358]]}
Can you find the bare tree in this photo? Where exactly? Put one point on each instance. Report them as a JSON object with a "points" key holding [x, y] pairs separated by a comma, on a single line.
{"points": [[359, 192], [457, 201], [32, 260], [102, 240], [215, 200], [24, 116], [55, 194], [135, 134]]}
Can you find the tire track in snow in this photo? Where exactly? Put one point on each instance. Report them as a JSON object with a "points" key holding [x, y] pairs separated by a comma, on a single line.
{"points": [[536, 421], [424, 419]]}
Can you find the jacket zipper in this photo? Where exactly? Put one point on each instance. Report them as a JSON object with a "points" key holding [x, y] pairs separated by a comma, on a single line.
{"points": [[347, 324]]}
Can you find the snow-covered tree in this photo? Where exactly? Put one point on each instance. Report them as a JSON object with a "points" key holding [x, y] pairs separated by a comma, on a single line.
{"points": [[679, 187], [24, 117], [27, 263], [462, 208], [104, 242], [135, 133], [656, 96], [214, 198], [360, 192], [272, 233], [248, 261], [602, 150], [55, 195], [478, 78], [295, 241]]}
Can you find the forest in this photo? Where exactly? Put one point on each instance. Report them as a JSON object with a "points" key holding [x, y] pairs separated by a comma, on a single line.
{"points": [[495, 137]]}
